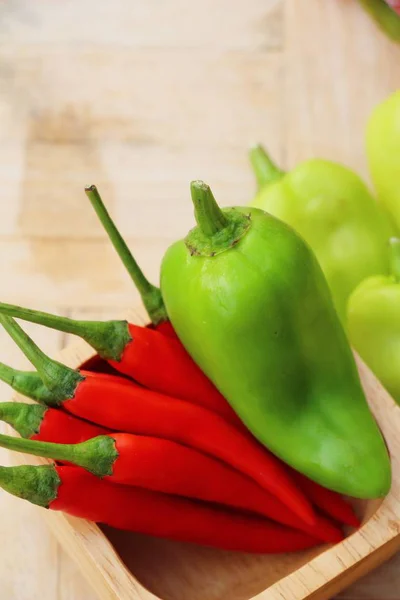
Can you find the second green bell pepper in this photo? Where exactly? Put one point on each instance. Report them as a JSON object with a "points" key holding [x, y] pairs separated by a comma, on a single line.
{"points": [[374, 323], [383, 150], [332, 209]]}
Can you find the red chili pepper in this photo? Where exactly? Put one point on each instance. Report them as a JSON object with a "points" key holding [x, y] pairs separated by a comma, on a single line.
{"points": [[123, 405], [128, 348], [45, 424], [166, 329], [329, 502], [30, 384], [162, 364], [153, 359], [78, 493], [163, 466]]}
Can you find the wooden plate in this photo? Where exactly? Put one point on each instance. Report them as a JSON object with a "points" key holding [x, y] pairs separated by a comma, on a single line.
{"points": [[123, 566]]}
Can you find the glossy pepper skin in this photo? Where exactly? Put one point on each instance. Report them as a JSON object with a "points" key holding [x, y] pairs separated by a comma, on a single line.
{"points": [[383, 151], [374, 324], [263, 327], [333, 210], [81, 494]]}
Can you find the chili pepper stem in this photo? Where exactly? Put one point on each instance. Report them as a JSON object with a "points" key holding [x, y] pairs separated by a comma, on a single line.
{"points": [[24, 418], [38, 485], [27, 383], [96, 455], [108, 338], [59, 379], [394, 244], [150, 294], [265, 169]]}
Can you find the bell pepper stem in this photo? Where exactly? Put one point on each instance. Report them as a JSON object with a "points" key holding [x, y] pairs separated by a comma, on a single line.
{"points": [[26, 419], [150, 294], [217, 230], [108, 338], [385, 17], [59, 379], [209, 216], [38, 485], [394, 244], [96, 455], [265, 169]]}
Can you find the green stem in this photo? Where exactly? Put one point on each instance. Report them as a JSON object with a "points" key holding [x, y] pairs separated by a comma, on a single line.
{"points": [[9, 375], [209, 216], [27, 383], [38, 485], [266, 171], [218, 230], [97, 455], [59, 379], [150, 294], [26, 419], [386, 18], [394, 244], [108, 338]]}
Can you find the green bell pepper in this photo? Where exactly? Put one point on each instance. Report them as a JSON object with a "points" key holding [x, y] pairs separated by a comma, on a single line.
{"points": [[332, 209], [249, 302], [374, 323], [383, 151], [384, 16]]}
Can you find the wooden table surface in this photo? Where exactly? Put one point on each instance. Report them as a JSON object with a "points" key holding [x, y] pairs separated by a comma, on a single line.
{"points": [[140, 98]]}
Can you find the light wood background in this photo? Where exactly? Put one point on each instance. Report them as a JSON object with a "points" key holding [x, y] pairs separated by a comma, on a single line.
{"points": [[140, 98]]}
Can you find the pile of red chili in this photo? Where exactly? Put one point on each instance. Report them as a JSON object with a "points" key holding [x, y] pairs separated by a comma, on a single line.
{"points": [[144, 442]]}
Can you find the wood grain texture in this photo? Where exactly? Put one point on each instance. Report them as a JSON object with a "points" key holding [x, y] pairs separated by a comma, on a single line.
{"points": [[141, 97]]}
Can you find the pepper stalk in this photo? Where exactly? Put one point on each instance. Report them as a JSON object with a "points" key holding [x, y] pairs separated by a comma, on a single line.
{"points": [[39, 485], [265, 169], [60, 381], [96, 455], [27, 383], [26, 419], [150, 294], [218, 229], [108, 338]]}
